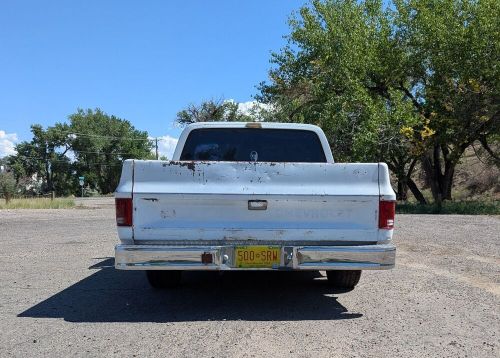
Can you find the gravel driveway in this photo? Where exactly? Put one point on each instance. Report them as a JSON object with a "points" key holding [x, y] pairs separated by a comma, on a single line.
{"points": [[60, 296]]}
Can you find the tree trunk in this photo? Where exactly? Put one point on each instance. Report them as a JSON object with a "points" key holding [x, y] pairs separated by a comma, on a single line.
{"points": [[441, 182], [402, 193], [47, 176], [403, 173], [416, 192], [448, 183]]}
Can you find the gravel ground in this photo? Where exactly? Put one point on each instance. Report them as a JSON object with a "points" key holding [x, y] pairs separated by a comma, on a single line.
{"points": [[60, 296]]}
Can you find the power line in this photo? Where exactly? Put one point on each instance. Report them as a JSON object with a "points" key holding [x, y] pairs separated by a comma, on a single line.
{"points": [[97, 152], [64, 161], [112, 137], [102, 136]]}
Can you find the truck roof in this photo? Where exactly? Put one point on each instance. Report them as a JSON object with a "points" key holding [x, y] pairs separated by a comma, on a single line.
{"points": [[302, 126]]}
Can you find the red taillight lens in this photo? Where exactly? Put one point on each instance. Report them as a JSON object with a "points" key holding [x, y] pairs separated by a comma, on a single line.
{"points": [[123, 212], [386, 213]]}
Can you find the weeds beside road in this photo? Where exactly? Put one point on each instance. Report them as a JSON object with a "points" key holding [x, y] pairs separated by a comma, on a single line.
{"points": [[38, 203]]}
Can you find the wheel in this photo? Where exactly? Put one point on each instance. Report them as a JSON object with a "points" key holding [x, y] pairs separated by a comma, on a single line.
{"points": [[343, 279], [163, 279]]}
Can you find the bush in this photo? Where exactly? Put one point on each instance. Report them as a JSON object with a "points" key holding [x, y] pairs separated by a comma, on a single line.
{"points": [[7, 185]]}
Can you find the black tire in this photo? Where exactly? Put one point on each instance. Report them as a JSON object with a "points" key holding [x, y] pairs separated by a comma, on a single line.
{"points": [[163, 279], [343, 279]]}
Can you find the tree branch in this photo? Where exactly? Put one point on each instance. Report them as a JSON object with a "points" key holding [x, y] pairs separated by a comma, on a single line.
{"points": [[408, 94], [484, 143], [412, 166], [416, 192]]}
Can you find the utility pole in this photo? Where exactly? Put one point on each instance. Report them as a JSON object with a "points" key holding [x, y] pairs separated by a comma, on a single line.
{"points": [[48, 168], [156, 141], [81, 181]]}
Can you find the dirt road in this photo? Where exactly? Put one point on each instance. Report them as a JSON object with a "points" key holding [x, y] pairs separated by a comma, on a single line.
{"points": [[60, 296]]}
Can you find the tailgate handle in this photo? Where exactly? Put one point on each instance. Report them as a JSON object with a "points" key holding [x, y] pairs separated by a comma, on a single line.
{"points": [[257, 204]]}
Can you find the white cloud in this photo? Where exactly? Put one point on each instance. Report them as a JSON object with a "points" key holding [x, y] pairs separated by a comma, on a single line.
{"points": [[166, 145], [252, 108], [248, 107], [7, 143]]}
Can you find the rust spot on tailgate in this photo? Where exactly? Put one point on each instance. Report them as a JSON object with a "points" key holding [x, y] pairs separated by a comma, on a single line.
{"points": [[190, 165]]}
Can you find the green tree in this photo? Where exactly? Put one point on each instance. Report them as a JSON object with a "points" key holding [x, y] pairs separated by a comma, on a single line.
{"points": [[414, 80], [44, 157], [212, 111], [93, 144], [100, 143], [452, 63], [7, 185]]}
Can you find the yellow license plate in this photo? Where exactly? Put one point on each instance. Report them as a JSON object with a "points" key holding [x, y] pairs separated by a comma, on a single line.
{"points": [[257, 256]]}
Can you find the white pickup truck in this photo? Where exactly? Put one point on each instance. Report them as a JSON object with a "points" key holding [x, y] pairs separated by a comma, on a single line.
{"points": [[254, 196]]}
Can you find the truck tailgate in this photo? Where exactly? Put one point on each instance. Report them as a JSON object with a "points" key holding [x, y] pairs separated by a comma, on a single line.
{"points": [[244, 202]]}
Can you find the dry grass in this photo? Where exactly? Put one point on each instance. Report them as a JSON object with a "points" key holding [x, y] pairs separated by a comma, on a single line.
{"points": [[38, 203]]}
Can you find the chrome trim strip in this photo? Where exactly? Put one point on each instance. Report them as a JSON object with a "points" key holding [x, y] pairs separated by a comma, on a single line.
{"points": [[369, 257], [358, 257], [250, 242], [161, 257], [146, 257]]}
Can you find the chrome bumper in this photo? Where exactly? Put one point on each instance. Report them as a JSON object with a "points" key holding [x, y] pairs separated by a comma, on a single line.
{"points": [[163, 257]]}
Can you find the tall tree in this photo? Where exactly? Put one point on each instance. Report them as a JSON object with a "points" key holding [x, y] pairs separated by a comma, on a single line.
{"points": [[413, 80], [452, 65], [100, 143], [93, 144], [44, 159]]}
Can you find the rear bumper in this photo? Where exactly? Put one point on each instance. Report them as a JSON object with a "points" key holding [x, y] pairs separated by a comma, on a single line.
{"points": [[163, 257]]}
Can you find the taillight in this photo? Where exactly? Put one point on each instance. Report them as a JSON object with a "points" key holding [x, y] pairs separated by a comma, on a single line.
{"points": [[123, 211], [386, 213]]}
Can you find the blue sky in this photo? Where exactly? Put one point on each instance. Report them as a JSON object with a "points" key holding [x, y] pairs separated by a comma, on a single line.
{"points": [[142, 61]]}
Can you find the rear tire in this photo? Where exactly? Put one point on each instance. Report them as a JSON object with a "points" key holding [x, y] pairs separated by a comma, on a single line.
{"points": [[163, 279], [343, 279]]}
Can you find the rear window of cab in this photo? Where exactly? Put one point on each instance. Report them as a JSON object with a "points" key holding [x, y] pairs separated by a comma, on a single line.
{"points": [[253, 144]]}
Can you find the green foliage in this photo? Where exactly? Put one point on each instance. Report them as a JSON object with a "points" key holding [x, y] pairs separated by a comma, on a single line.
{"points": [[397, 82], [43, 159], [99, 144], [451, 207], [7, 185], [212, 111], [453, 51]]}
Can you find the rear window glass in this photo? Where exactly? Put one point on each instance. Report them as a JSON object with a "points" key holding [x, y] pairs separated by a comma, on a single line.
{"points": [[253, 144]]}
